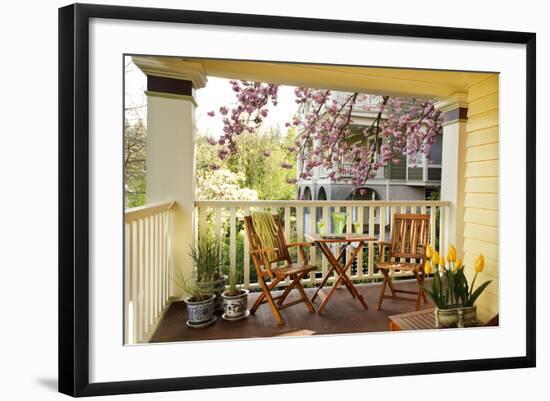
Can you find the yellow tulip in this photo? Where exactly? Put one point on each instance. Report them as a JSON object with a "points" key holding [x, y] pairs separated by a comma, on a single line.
{"points": [[480, 263], [442, 260], [452, 252], [435, 258], [458, 264], [427, 267], [451, 255], [429, 252]]}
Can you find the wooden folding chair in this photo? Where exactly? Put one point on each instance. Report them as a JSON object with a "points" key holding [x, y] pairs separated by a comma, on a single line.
{"points": [[269, 277], [407, 252]]}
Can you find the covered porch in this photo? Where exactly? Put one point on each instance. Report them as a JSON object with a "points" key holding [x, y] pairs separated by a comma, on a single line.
{"points": [[158, 235], [342, 316]]}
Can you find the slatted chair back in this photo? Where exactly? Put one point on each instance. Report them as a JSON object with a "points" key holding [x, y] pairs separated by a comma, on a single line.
{"points": [[263, 255], [410, 236], [280, 255]]}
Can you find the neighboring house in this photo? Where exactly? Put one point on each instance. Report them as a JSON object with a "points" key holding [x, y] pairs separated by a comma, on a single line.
{"points": [[405, 180]]}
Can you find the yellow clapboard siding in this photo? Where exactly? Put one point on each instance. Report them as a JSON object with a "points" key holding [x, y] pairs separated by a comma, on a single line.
{"points": [[482, 184], [475, 247], [484, 314], [481, 232], [483, 120], [483, 152], [483, 104], [482, 169], [481, 216], [482, 137], [491, 266], [492, 288], [483, 88], [481, 201], [481, 190], [489, 302]]}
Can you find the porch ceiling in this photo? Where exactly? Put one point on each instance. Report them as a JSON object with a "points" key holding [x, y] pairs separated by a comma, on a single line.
{"points": [[386, 81]]}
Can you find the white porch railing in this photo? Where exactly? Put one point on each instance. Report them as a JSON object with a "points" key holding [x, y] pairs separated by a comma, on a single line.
{"points": [[147, 266], [301, 217]]}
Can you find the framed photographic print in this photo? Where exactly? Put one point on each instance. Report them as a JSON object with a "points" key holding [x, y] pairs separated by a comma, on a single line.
{"points": [[243, 195]]}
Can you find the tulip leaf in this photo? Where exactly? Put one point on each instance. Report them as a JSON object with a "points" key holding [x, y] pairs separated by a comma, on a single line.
{"points": [[477, 293], [430, 295], [436, 289]]}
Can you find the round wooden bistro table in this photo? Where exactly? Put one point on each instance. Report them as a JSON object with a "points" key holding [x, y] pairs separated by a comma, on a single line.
{"points": [[357, 242]]}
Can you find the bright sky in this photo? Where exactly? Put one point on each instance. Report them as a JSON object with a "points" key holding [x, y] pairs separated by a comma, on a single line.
{"points": [[218, 92], [215, 94]]}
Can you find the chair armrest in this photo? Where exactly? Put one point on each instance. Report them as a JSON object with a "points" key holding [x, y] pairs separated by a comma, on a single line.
{"points": [[299, 244]]}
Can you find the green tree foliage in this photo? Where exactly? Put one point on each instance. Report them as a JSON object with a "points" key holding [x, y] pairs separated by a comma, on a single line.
{"points": [[256, 166]]}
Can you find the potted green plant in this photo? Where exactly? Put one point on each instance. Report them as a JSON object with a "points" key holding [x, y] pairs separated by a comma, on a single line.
{"points": [[450, 292], [339, 222], [199, 302], [321, 226], [208, 260], [235, 300]]}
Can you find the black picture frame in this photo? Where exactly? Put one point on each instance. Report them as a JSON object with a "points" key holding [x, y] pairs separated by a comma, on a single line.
{"points": [[74, 198]]}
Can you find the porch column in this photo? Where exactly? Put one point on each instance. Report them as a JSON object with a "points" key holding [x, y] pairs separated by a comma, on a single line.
{"points": [[170, 152], [455, 111]]}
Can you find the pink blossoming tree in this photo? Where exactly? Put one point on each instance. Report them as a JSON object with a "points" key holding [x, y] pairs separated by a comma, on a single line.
{"points": [[325, 135]]}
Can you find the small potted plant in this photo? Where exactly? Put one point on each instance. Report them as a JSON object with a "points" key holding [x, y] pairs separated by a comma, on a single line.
{"points": [[450, 292], [339, 222], [208, 260], [199, 302], [235, 300], [321, 226]]}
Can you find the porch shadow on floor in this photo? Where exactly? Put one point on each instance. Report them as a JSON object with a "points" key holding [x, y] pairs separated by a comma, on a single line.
{"points": [[343, 314]]}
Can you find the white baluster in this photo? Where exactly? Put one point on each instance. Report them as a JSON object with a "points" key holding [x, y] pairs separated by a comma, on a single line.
{"points": [[134, 265], [382, 234], [312, 249], [442, 239], [127, 282], [360, 219], [149, 291], [232, 241], [246, 255], [300, 229], [433, 214], [349, 217], [371, 243], [141, 309], [326, 219]]}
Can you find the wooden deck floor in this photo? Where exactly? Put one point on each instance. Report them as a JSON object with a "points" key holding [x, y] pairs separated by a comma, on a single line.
{"points": [[343, 314]]}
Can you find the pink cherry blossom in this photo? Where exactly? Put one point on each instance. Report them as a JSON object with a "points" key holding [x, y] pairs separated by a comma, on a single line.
{"points": [[324, 134]]}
